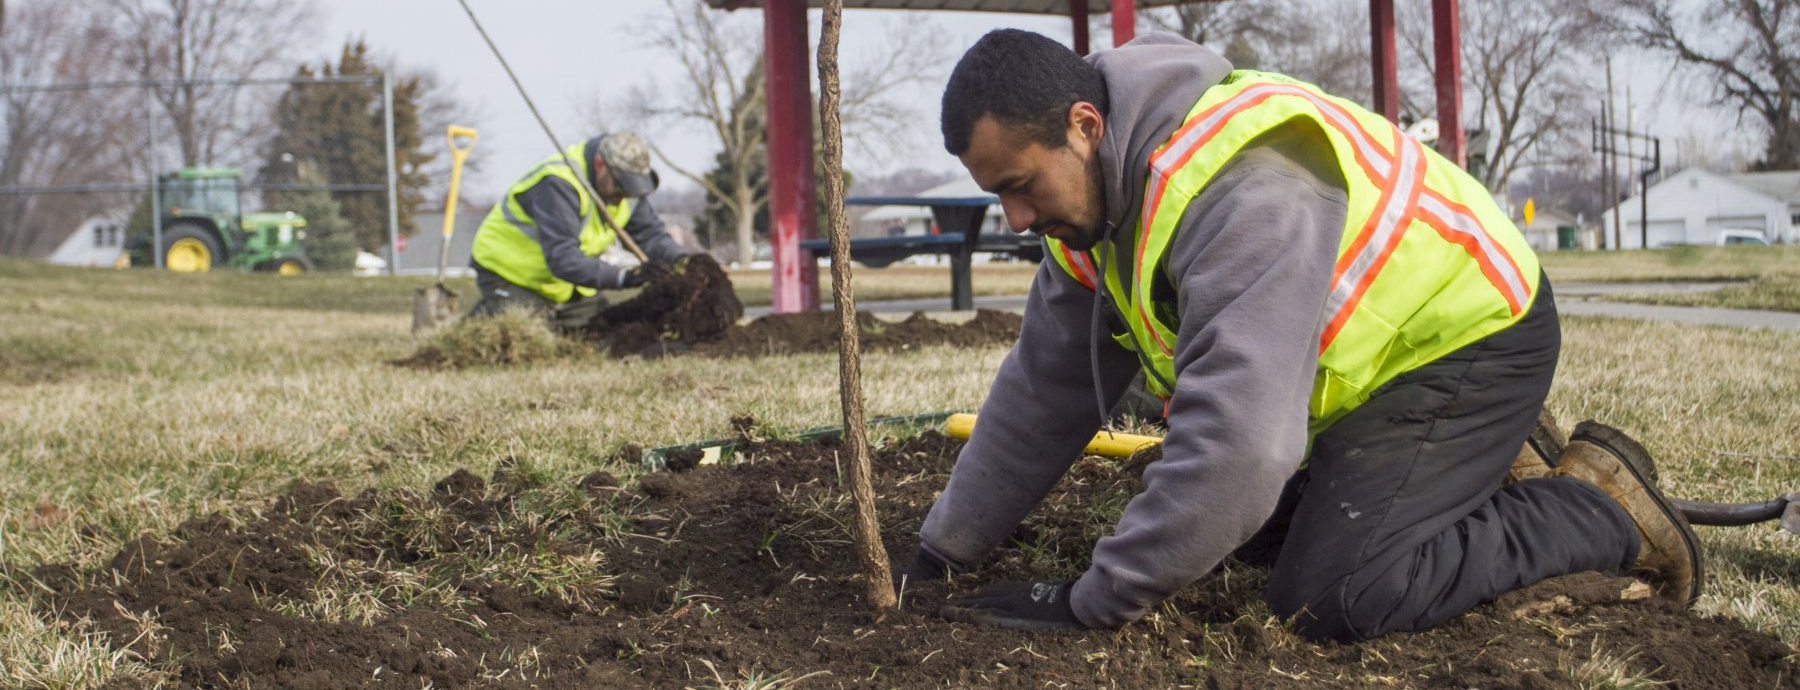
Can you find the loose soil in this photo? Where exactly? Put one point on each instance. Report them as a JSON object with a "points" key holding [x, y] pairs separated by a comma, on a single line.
{"points": [[691, 304], [719, 575], [781, 334]]}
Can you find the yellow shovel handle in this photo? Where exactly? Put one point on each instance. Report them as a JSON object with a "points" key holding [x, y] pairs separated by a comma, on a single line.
{"points": [[462, 139], [1105, 443]]}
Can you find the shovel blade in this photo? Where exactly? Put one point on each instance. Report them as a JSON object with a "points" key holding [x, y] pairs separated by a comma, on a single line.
{"points": [[433, 306], [1790, 518]]}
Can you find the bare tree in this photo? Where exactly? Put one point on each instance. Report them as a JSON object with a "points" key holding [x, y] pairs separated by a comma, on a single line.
{"points": [[721, 89], [1748, 50], [62, 137], [190, 41], [1303, 39], [1525, 71], [722, 92], [877, 121]]}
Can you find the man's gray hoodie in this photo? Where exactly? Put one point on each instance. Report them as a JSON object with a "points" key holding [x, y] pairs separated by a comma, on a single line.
{"points": [[1249, 270]]}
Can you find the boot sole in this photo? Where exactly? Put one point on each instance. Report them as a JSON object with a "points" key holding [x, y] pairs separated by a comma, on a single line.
{"points": [[1546, 439], [1637, 461]]}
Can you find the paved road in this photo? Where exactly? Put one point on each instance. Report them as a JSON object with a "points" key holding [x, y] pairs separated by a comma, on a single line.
{"points": [[1583, 299]]}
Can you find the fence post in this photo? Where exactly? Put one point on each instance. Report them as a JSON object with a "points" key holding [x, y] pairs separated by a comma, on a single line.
{"points": [[387, 122], [155, 189]]}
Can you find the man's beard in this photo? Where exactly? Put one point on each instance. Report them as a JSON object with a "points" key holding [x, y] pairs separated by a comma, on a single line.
{"points": [[1080, 239]]}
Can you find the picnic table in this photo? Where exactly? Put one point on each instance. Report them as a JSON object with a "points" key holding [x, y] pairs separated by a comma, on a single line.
{"points": [[959, 218]]}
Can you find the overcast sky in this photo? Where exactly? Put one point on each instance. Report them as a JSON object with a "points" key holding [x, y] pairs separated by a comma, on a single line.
{"points": [[568, 52]]}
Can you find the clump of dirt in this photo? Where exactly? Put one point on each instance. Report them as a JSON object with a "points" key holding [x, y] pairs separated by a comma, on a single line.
{"points": [[510, 338], [678, 307], [782, 334], [721, 574]]}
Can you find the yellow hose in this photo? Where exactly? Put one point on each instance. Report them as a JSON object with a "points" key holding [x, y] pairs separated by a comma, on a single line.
{"points": [[1106, 444]]}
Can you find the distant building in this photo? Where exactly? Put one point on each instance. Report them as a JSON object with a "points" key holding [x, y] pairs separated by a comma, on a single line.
{"points": [[910, 219], [98, 241], [1545, 231], [419, 255], [1695, 207]]}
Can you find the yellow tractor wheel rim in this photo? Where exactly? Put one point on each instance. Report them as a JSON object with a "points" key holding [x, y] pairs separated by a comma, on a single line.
{"points": [[290, 268], [189, 255]]}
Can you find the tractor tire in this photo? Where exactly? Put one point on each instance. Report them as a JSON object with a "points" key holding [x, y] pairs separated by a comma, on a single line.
{"points": [[289, 266], [189, 248]]}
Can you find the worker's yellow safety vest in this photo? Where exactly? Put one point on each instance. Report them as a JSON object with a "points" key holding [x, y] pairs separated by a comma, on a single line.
{"points": [[1427, 263], [508, 241]]}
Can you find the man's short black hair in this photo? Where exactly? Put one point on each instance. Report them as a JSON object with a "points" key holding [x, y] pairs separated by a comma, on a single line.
{"points": [[1024, 80]]}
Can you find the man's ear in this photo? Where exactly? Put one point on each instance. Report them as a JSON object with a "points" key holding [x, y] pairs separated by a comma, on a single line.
{"points": [[1086, 125]]}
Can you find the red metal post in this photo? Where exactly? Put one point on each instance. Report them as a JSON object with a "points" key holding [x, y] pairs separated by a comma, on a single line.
{"points": [[1446, 31], [792, 209], [1381, 48], [1124, 16], [1078, 14]]}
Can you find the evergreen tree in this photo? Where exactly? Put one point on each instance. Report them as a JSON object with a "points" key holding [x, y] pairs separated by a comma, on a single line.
{"points": [[719, 220], [333, 133], [330, 241]]}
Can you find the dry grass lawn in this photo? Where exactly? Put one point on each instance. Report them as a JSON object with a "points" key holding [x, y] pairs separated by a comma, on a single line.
{"points": [[131, 401]]}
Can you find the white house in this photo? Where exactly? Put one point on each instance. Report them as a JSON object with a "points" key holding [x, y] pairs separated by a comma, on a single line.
{"points": [[1783, 185], [1542, 233], [100, 241], [1693, 206]]}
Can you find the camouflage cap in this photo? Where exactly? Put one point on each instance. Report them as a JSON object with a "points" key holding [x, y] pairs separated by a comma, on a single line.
{"points": [[628, 159]]}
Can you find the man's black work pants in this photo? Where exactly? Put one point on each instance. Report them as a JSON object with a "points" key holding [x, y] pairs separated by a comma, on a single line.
{"points": [[499, 295], [1399, 521]]}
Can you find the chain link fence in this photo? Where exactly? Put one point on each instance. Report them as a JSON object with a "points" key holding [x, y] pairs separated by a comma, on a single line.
{"points": [[285, 174]]}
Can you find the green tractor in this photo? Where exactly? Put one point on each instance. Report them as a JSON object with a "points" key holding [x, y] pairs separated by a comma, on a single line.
{"points": [[203, 227]]}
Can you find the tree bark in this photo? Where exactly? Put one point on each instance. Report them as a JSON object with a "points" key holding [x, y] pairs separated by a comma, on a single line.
{"points": [[856, 438], [746, 226]]}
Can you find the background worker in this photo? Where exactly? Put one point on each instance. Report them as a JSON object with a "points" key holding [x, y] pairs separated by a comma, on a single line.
{"points": [[539, 248], [1354, 344]]}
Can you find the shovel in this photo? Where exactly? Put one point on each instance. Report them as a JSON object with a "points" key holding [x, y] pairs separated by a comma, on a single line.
{"points": [[435, 305], [1785, 508]]}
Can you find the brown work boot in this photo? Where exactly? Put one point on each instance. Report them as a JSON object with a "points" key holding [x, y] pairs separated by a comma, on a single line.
{"points": [[1541, 450], [1668, 553]]}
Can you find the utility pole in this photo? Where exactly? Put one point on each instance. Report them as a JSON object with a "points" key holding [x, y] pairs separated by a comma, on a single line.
{"points": [[1612, 175], [156, 239], [1604, 137], [1630, 152]]}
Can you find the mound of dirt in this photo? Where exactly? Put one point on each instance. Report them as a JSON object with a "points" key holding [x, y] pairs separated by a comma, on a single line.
{"points": [[678, 308], [723, 574], [780, 334]]}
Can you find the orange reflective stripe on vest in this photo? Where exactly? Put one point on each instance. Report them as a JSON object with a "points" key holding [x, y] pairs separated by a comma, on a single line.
{"points": [[1469, 276], [1403, 199]]}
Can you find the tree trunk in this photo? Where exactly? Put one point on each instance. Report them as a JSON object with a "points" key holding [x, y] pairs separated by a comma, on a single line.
{"points": [[746, 230], [856, 438]]}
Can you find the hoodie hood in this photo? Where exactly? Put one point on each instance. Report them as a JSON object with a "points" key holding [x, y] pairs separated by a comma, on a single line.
{"points": [[1151, 84]]}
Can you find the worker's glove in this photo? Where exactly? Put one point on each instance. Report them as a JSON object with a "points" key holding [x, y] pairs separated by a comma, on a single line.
{"points": [[1018, 605], [925, 566], [633, 277]]}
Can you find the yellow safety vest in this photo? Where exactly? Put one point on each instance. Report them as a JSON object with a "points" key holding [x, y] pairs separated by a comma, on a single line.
{"points": [[1427, 262], [508, 242]]}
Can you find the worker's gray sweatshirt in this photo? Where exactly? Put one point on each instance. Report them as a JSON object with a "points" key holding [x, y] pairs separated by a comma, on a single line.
{"points": [[1249, 270]]}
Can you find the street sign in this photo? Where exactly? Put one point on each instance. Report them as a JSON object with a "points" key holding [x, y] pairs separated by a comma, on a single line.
{"points": [[1530, 211]]}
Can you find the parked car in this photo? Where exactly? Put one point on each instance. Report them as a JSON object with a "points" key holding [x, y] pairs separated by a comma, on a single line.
{"points": [[1737, 236]]}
